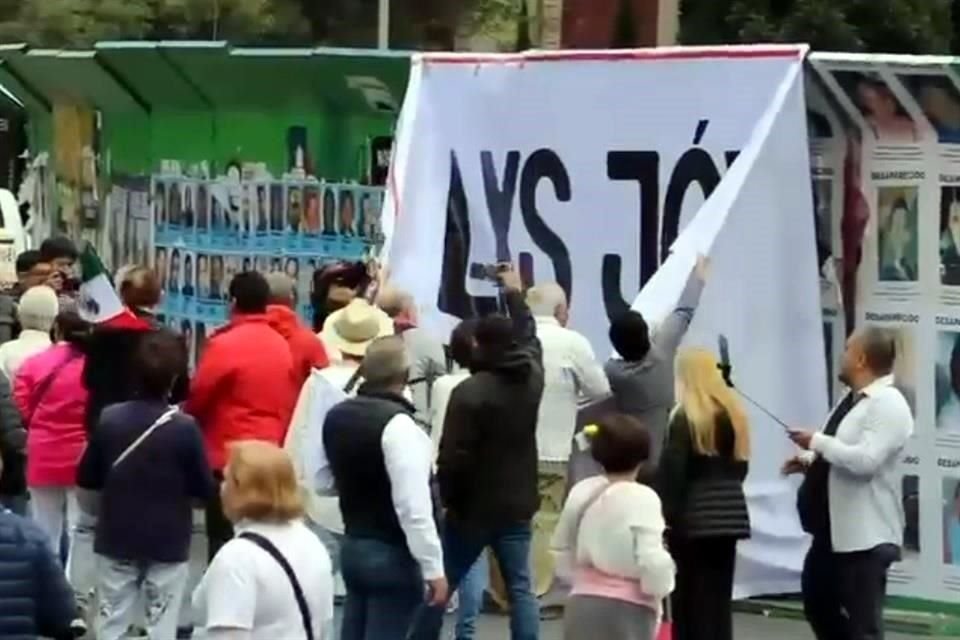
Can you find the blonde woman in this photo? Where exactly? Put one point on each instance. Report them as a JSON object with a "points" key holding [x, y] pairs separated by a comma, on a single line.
{"points": [[700, 481], [274, 579]]}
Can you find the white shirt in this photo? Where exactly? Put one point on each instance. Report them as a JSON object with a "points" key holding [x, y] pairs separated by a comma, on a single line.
{"points": [[246, 589], [15, 353], [571, 374], [866, 506], [442, 389], [621, 534]]}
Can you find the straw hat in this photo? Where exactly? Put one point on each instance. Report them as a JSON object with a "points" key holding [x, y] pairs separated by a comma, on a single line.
{"points": [[351, 329]]}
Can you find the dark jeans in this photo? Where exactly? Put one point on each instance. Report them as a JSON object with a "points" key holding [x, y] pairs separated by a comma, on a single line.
{"points": [[511, 547], [701, 600], [843, 593], [219, 529], [384, 589]]}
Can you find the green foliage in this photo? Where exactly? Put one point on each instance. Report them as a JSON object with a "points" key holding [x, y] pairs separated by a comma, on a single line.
{"points": [[881, 26]]}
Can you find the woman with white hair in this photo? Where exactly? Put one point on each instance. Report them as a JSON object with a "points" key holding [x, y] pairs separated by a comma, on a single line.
{"points": [[36, 312]]}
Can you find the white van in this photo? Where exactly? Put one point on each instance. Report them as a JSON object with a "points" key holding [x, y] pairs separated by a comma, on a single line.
{"points": [[13, 238]]}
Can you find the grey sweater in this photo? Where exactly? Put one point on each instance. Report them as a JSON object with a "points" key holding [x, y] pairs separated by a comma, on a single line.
{"points": [[644, 388], [427, 360]]}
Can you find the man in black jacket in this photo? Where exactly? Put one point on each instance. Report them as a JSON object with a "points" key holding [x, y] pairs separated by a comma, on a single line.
{"points": [[487, 466]]}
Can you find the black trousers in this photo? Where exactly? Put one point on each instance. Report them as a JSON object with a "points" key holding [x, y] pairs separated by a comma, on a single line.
{"points": [[701, 601], [843, 593], [219, 529]]}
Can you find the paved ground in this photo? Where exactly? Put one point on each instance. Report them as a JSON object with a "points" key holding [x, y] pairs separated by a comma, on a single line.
{"points": [[748, 627]]}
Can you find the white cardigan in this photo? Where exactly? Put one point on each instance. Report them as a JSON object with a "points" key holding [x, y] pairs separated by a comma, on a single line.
{"points": [[621, 534]]}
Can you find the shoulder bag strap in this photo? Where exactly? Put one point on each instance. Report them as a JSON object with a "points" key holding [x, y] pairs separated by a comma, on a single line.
{"points": [[352, 382], [44, 385], [164, 418], [271, 549], [589, 503]]}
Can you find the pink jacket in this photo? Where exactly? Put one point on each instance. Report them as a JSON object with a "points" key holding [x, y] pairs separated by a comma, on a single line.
{"points": [[49, 392]]}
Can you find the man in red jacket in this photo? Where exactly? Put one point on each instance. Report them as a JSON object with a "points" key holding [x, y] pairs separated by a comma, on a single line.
{"points": [[245, 387], [305, 347]]}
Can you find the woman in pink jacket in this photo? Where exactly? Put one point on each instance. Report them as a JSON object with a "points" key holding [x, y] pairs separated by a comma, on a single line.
{"points": [[49, 392]]}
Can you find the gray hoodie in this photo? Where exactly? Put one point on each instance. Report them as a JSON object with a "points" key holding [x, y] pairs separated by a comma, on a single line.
{"points": [[644, 388]]}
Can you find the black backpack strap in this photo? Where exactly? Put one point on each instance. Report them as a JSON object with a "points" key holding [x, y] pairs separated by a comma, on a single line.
{"points": [[269, 547], [352, 382]]}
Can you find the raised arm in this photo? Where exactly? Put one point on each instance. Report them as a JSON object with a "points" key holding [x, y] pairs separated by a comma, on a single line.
{"points": [[524, 326], [671, 331]]}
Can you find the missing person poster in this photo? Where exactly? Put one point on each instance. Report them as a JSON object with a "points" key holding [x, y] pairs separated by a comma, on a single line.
{"points": [[208, 231], [891, 129]]}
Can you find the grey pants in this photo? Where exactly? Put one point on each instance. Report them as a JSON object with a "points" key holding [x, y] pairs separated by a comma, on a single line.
{"points": [[590, 618]]}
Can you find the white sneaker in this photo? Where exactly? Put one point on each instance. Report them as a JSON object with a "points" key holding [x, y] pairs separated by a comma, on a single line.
{"points": [[454, 603]]}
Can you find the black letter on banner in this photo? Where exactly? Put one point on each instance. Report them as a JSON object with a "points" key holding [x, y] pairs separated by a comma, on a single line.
{"points": [[453, 297], [695, 165], [500, 198], [544, 164], [644, 168]]}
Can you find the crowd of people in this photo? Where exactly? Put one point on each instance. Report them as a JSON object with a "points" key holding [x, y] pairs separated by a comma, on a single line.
{"points": [[363, 459]]}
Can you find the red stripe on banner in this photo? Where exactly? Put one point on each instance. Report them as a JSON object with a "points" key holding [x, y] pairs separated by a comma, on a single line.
{"points": [[613, 56]]}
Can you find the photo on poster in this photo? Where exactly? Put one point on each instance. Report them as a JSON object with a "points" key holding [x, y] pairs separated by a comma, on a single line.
{"points": [[189, 212], [291, 267], [950, 236], [306, 279], [200, 341], [947, 383], [910, 494], [217, 284], [175, 205], [884, 114], [173, 278], [939, 100], [276, 264], [823, 218], [203, 207], [261, 209], [277, 208], [897, 241], [294, 208], [310, 223], [218, 218], [160, 266], [189, 282], [186, 330], [232, 266], [160, 204], [329, 210], [905, 366], [262, 264], [203, 276], [346, 218], [247, 264]]}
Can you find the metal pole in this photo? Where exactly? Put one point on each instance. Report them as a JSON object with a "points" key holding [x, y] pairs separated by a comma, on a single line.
{"points": [[383, 25]]}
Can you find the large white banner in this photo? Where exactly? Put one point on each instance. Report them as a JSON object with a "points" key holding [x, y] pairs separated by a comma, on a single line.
{"points": [[585, 168]]}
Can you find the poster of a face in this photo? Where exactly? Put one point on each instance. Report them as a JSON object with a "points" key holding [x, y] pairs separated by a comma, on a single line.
{"points": [[188, 205], [200, 341], [897, 242], [189, 288], [218, 222], [203, 276], [885, 116], [939, 100], [306, 279], [175, 206], [823, 219], [371, 217], [950, 236], [311, 216], [291, 267], [233, 265], [160, 266], [329, 211], [160, 203], [275, 265], [203, 207], [947, 377], [276, 208], [262, 264], [294, 209], [363, 212], [910, 486], [261, 209], [173, 280], [217, 287], [347, 212], [247, 264]]}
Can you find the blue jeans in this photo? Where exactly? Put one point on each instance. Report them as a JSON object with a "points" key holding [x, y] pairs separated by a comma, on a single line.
{"points": [[384, 589], [472, 587], [511, 546]]}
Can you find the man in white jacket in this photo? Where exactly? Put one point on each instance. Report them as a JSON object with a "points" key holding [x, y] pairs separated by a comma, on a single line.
{"points": [[572, 376]]}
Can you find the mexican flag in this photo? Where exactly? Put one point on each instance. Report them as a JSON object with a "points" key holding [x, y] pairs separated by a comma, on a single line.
{"points": [[99, 301]]}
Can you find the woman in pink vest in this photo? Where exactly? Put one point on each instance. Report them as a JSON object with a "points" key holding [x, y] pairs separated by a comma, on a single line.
{"points": [[49, 392]]}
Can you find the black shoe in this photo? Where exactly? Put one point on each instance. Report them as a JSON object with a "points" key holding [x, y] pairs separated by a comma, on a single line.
{"points": [[78, 627], [184, 633]]}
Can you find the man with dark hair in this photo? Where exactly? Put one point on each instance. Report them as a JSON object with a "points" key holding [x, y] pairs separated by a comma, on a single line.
{"points": [[245, 387], [148, 463], [31, 271], [850, 500], [642, 379], [487, 465], [60, 251]]}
